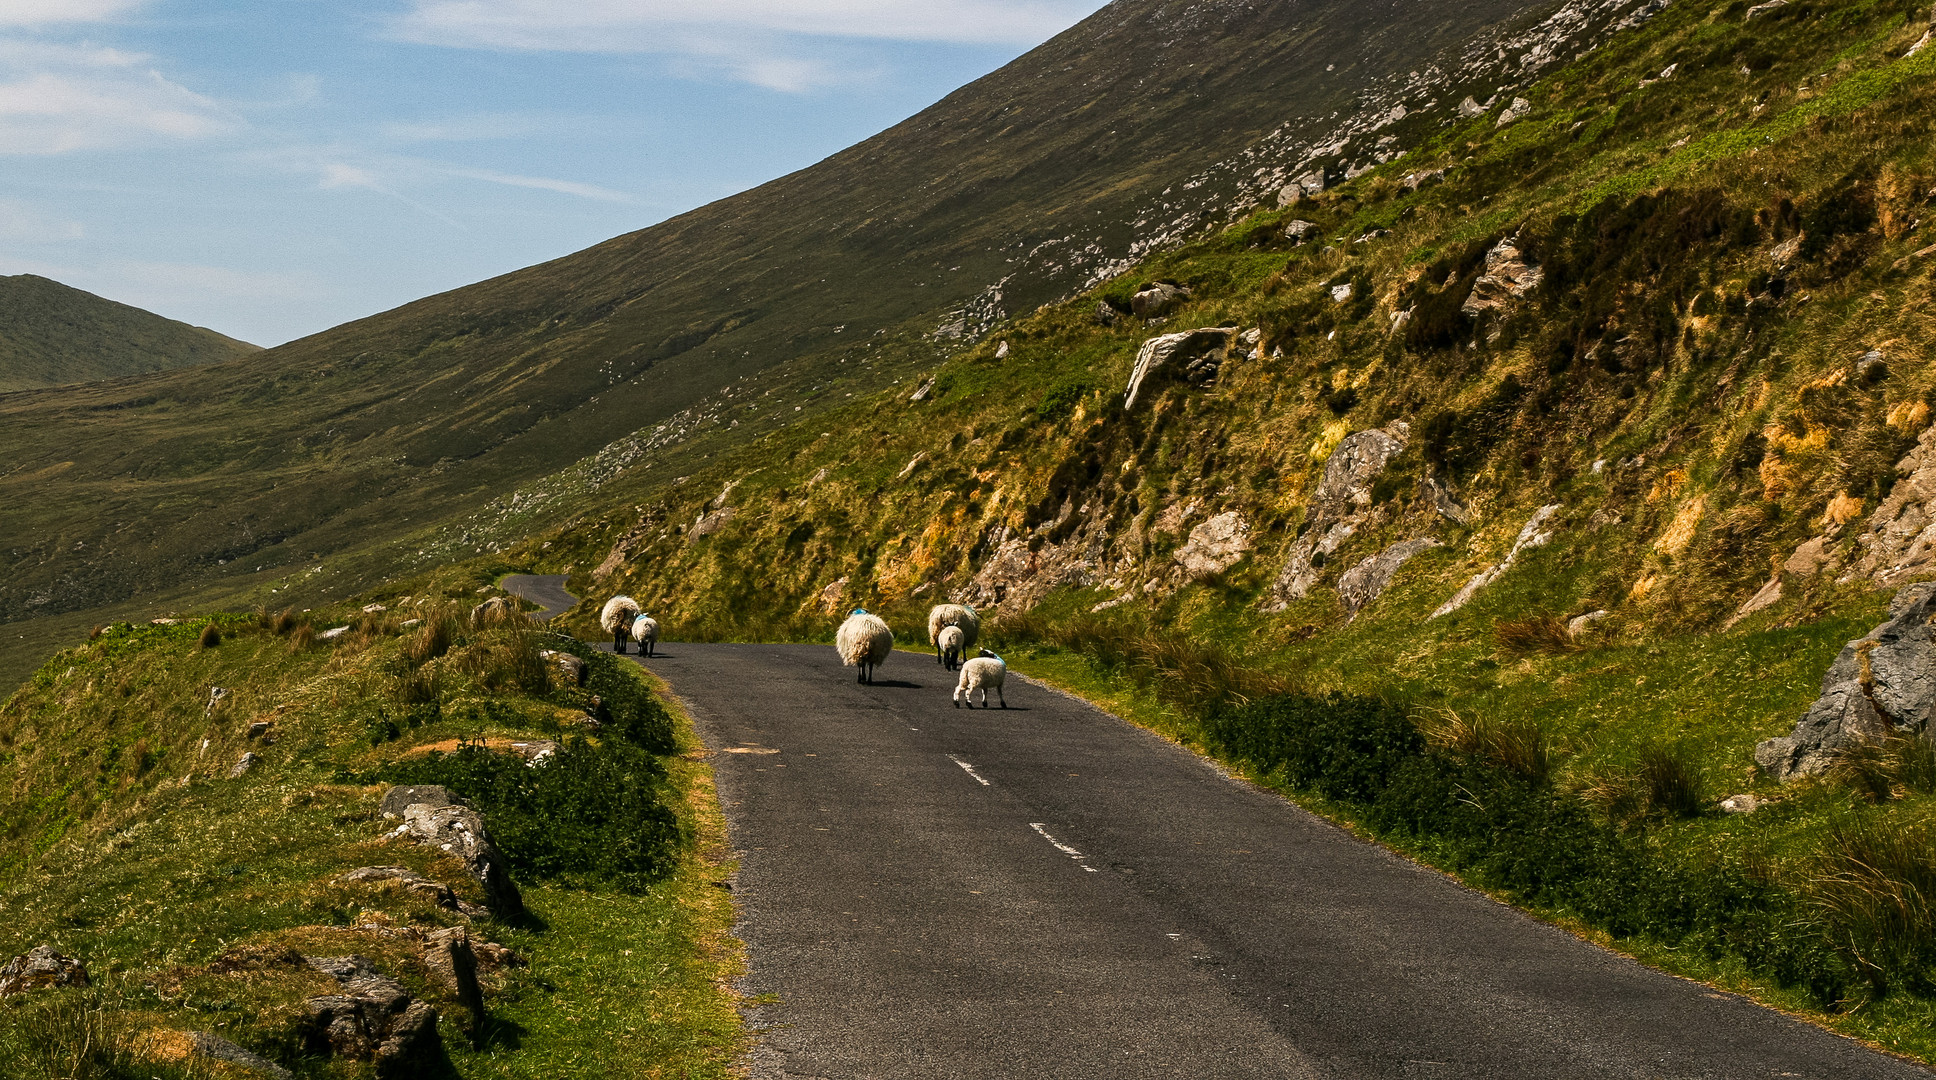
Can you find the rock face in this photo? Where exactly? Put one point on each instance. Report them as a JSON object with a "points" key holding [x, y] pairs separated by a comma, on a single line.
{"points": [[1366, 581], [1881, 684], [1534, 535], [1157, 299], [1215, 546], [1337, 505], [448, 956], [1899, 540], [1507, 279], [373, 1019], [41, 968], [408, 880], [403, 796], [460, 830], [1196, 354]]}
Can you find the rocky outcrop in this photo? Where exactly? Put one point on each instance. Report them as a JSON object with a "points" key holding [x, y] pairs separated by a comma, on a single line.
{"points": [[1534, 535], [1366, 581], [1214, 546], [452, 964], [1019, 577], [403, 878], [374, 1019], [1880, 684], [572, 669], [1337, 505], [1197, 355], [437, 820], [1514, 112], [1506, 280], [40, 968], [1899, 540], [1447, 504], [1157, 299]]}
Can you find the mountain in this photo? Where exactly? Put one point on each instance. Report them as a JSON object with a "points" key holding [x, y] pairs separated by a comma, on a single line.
{"points": [[53, 335], [1151, 120]]}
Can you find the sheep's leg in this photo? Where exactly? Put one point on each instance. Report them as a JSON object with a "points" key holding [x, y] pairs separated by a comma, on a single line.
{"points": [[1002, 696]]}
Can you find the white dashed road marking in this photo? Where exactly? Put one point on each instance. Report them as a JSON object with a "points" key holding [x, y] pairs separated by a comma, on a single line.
{"points": [[970, 770], [1062, 847]]}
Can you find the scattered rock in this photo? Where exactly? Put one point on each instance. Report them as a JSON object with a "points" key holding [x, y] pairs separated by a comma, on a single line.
{"points": [[1215, 546], [1417, 180], [1740, 804], [921, 392], [403, 796], [1759, 10], [460, 830], [1529, 538], [1446, 503], [216, 696], [1579, 624], [1001, 351], [1899, 540], [711, 522], [214, 1047], [497, 607], [1157, 299], [1366, 581], [1506, 280], [1879, 684], [452, 964], [573, 668], [1310, 183], [408, 880], [1342, 495], [257, 730], [1105, 314], [372, 609], [1299, 231], [374, 1019], [1341, 293], [1197, 354], [40, 968], [829, 600], [1470, 108], [242, 766], [1513, 112], [535, 751]]}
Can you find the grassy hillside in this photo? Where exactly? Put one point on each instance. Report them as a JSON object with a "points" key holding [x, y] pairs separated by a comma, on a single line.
{"points": [[1145, 123], [191, 893], [1718, 364], [53, 335]]}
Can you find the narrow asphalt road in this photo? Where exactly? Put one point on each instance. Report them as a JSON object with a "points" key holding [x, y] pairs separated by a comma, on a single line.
{"points": [[1049, 891], [545, 590]]}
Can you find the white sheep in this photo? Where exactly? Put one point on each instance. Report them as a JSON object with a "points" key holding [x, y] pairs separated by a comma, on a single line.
{"points": [[864, 641], [951, 642], [645, 631], [617, 620], [984, 672], [953, 615]]}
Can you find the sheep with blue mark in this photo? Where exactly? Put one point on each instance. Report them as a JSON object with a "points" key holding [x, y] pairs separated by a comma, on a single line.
{"points": [[984, 673], [863, 642], [645, 631], [617, 619]]}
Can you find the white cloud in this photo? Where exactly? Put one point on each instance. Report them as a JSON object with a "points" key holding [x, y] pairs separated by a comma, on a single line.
{"points": [[45, 12], [748, 40], [55, 99], [640, 25], [540, 183]]}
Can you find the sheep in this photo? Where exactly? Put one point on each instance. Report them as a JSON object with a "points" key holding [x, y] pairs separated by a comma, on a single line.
{"points": [[617, 620], [981, 673], [645, 631], [950, 644], [864, 641], [953, 615]]}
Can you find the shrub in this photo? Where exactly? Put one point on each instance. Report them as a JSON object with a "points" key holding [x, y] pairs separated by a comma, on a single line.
{"points": [[592, 814], [211, 636], [1343, 747]]}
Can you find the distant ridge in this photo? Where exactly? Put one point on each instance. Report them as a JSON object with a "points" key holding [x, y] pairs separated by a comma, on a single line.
{"points": [[53, 335]]}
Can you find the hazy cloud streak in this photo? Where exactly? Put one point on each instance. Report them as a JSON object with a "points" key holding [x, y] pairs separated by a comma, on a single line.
{"points": [[46, 12], [55, 99]]}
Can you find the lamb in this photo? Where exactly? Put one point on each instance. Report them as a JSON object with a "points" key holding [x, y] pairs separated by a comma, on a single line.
{"points": [[864, 641], [645, 631], [983, 673], [617, 620], [950, 644], [953, 615]]}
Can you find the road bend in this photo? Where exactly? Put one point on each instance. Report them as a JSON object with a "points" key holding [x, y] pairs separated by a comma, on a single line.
{"points": [[1048, 891], [545, 590]]}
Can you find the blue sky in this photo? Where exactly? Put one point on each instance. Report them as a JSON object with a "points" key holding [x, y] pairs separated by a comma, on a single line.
{"points": [[275, 167]]}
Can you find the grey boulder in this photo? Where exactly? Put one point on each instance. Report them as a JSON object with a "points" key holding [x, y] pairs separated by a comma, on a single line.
{"points": [[40, 968]]}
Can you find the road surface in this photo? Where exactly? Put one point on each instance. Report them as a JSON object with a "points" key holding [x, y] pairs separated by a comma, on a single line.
{"points": [[1049, 891], [545, 590]]}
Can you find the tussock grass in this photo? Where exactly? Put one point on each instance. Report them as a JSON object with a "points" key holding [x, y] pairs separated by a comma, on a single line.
{"points": [[1545, 635], [1890, 768], [1520, 747], [1876, 889]]}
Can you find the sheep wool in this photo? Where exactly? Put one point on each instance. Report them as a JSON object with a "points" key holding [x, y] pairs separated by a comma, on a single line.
{"points": [[863, 642], [645, 631], [619, 611], [952, 647], [985, 672], [961, 615]]}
